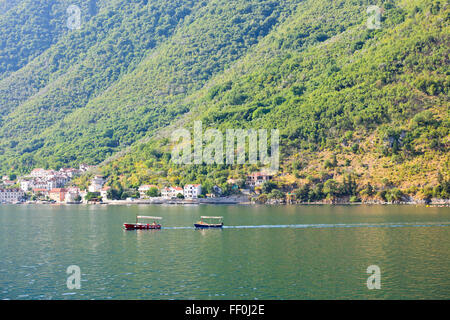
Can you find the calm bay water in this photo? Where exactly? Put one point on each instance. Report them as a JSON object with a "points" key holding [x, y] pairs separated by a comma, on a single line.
{"points": [[266, 252]]}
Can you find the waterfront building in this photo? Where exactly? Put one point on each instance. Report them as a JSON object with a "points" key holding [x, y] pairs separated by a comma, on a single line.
{"points": [[256, 179], [192, 191], [11, 195], [83, 194], [72, 195], [171, 192], [58, 194], [104, 192]]}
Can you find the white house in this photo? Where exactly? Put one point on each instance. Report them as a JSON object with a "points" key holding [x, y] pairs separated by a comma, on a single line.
{"points": [[11, 195], [6, 181], [43, 179], [9, 182], [96, 184], [40, 173], [25, 185], [68, 172], [83, 194], [72, 194], [171, 192], [192, 191], [85, 167], [57, 181], [104, 192]]}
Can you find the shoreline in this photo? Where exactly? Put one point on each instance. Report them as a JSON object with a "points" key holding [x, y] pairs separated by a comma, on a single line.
{"points": [[243, 201]]}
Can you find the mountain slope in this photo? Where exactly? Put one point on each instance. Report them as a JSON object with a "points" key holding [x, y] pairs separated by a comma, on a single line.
{"points": [[111, 95], [28, 28], [375, 101]]}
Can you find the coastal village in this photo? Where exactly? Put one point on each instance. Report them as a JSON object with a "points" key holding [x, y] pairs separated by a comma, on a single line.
{"points": [[56, 186]]}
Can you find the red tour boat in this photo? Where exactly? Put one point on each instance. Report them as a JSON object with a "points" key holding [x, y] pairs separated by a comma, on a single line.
{"points": [[143, 226]]}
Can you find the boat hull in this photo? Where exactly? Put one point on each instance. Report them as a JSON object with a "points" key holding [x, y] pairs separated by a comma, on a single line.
{"points": [[207, 226], [134, 226]]}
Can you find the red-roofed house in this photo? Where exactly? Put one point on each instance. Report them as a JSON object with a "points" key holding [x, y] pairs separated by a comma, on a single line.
{"points": [[171, 192], [40, 191]]}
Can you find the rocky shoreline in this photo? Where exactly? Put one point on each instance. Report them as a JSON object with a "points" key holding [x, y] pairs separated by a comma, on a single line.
{"points": [[244, 200], [432, 202]]}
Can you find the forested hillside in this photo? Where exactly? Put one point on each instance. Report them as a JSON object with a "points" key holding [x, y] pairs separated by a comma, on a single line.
{"points": [[362, 112], [30, 27], [116, 79]]}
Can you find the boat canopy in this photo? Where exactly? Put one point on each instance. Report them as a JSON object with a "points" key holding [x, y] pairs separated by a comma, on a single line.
{"points": [[148, 217], [208, 217]]}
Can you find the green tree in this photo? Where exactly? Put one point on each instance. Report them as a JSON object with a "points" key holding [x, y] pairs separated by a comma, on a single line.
{"points": [[153, 192], [302, 194], [91, 196], [331, 188], [268, 186]]}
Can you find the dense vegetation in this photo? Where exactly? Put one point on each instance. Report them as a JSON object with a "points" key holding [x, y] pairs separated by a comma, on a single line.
{"points": [[28, 28], [117, 78], [362, 113]]}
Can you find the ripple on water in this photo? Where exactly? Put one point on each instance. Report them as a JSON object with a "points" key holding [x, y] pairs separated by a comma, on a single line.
{"points": [[250, 258]]}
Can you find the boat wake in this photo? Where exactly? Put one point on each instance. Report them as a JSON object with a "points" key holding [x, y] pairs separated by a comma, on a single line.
{"points": [[337, 225]]}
